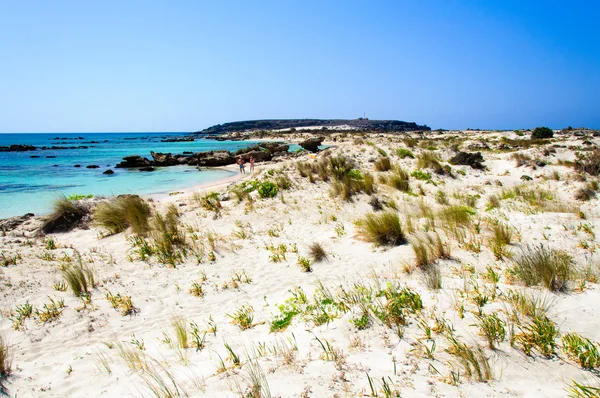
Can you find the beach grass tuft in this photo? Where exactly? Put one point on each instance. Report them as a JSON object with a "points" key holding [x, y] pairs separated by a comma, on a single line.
{"points": [[382, 228], [122, 212]]}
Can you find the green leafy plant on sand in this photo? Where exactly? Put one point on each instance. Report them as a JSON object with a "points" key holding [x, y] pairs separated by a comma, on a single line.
{"points": [[540, 333], [267, 189], [582, 350], [404, 153]]}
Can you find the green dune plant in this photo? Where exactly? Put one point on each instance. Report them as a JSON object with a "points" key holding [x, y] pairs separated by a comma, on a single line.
{"points": [[122, 212], [540, 333], [582, 350], [403, 153], [492, 329]]}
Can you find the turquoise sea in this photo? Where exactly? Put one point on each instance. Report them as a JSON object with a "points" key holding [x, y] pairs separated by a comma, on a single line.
{"points": [[31, 184]]}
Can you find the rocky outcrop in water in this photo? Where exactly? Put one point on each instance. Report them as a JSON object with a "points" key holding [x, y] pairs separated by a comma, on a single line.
{"points": [[179, 139], [312, 144], [212, 159], [263, 152], [134, 161], [17, 148]]}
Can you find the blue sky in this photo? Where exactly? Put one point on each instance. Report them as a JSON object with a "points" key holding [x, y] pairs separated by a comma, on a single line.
{"points": [[185, 65]]}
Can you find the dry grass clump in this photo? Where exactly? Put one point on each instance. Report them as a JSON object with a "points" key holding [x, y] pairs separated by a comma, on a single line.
{"points": [[382, 228], [80, 279], [5, 363], [587, 192], [65, 215], [589, 164], [472, 361], [397, 179], [383, 164], [429, 248], [168, 237], [122, 212], [429, 160], [538, 265], [317, 252]]}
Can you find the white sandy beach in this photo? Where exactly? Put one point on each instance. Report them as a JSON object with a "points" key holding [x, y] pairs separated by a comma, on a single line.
{"points": [[90, 349]]}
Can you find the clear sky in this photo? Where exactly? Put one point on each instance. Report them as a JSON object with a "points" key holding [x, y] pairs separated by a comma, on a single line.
{"points": [[176, 65]]}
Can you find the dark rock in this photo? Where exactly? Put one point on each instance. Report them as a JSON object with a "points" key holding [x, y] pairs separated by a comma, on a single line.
{"points": [[212, 159], [259, 156], [77, 165], [312, 144], [11, 223], [134, 161], [540, 163], [164, 159], [34, 156], [50, 157], [147, 168], [108, 172], [17, 148], [178, 139], [473, 159], [274, 146], [92, 166], [526, 178]]}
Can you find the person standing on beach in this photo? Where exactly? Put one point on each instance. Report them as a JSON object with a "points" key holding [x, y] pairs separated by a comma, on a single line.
{"points": [[252, 164], [241, 163]]}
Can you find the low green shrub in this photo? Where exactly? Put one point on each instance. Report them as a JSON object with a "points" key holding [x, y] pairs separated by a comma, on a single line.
{"points": [[267, 189], [542, 132]]}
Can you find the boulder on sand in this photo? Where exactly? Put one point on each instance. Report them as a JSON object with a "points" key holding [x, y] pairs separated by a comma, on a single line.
{"points": [[109, 172]]}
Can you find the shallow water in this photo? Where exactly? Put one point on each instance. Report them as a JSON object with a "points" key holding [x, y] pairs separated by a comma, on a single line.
{"points": [[31, 184]]}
